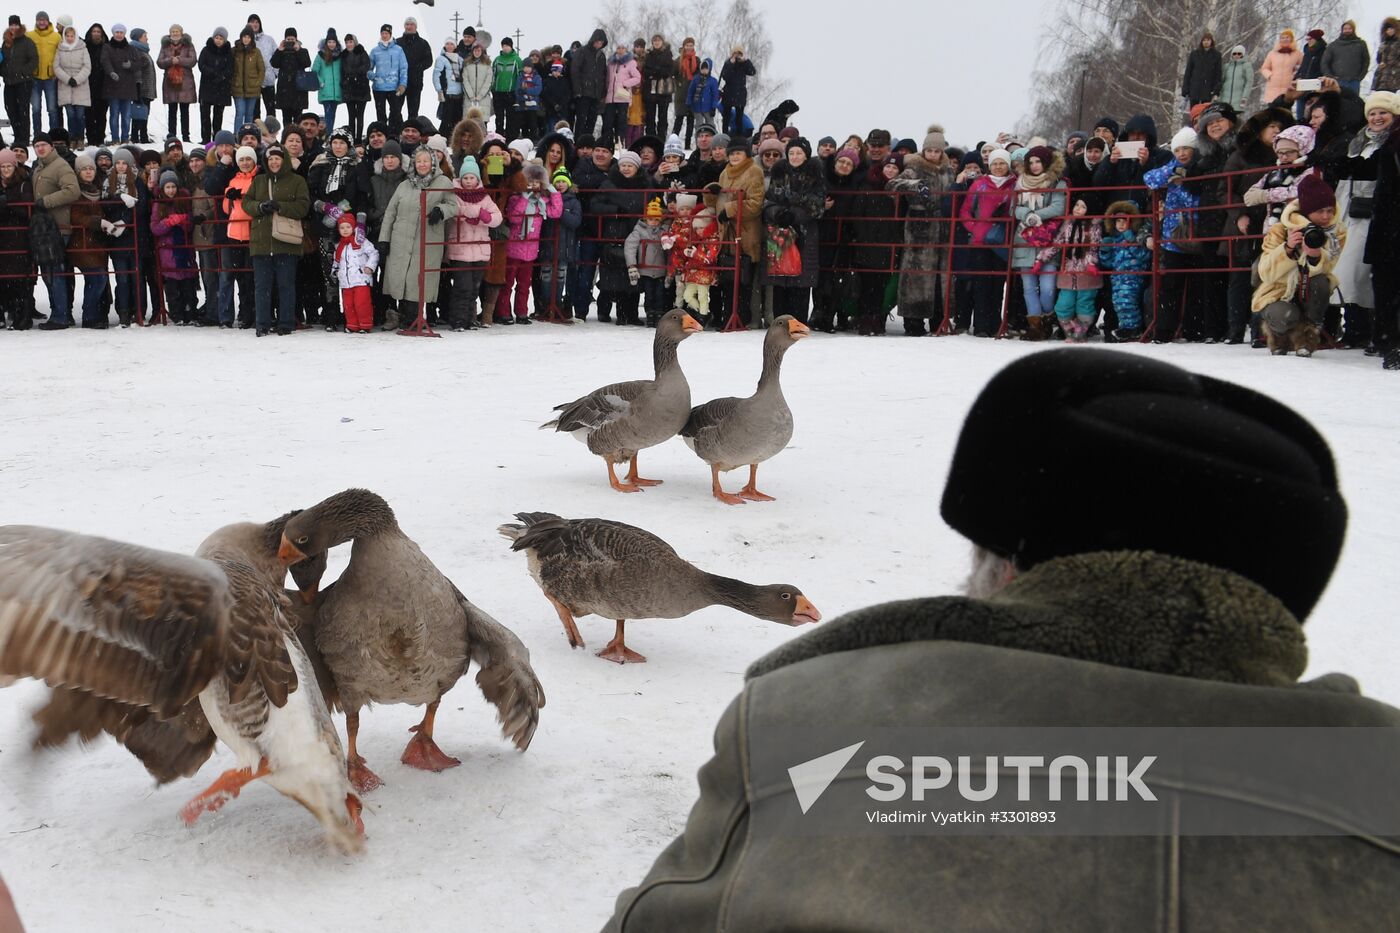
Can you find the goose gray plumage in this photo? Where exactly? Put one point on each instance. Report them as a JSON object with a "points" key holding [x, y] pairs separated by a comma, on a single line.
{"points": [[729, 433], [166, 652], [592, 566], [394, 629], [620, 419]]}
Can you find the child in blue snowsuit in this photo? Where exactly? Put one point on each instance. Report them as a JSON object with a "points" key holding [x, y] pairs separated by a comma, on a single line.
{"points": [[1124, 250]]}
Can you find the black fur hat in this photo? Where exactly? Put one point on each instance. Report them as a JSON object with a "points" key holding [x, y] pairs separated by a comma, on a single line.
{"points": [[1223, 475]]}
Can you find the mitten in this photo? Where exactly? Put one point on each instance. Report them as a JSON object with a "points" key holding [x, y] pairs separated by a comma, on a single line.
{"points": [[343, 204], [109, 228], [435, 216], [128, 200], [126, 65], [633, 275], [1091, 269], [1036, 267], [441, 97], [72, 82], [267, 207], [233, 194], [1255, 197], [360, 219], [114, 76], [329, 221], [320, 206], [399, 91]]}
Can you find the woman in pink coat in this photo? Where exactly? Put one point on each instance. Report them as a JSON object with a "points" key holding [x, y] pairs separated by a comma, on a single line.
{"points": [[986, 211], [1280, 66], [526, 213], [469, 246], [623, 76]]}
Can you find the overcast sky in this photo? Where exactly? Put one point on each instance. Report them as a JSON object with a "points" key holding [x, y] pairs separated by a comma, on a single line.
{"points": [[970, 72]]}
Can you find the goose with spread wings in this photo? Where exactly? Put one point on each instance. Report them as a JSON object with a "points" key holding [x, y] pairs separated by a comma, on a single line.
{"points": [[167, 653], [394, 629], [620, 419]]}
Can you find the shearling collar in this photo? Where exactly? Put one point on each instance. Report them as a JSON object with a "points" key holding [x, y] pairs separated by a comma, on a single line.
{"points": [[1132, 609]]}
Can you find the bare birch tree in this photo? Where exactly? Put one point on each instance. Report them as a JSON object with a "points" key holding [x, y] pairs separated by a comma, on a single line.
{"points": [[1112, 57]]}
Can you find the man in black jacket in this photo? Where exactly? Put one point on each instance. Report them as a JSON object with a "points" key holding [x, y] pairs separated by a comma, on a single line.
{"points": [[589, 176], [1071, 621], [420, 58], [588, 80], [17, 70], [734, 92]]}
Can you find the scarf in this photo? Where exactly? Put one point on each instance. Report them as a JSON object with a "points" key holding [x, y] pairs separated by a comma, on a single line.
{"points": [[345, 241], [421, 182], [336, 179], [534, 209], [90, 192], [1367, 138], [1035, 200], [114, 186], [472, 196], [998, 181]]}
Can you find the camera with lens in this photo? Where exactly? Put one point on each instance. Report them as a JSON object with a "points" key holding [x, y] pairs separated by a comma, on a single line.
{"points": [[1314, 237]]}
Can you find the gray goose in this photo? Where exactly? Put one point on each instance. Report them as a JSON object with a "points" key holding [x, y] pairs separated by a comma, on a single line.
{"points": [[394, 629], [728, 433], [592, 566], [166, 652], [620, 419]]}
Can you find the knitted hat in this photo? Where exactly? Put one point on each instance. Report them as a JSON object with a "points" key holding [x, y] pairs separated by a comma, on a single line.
{"points": [[168, 177], [60, 135], [522, 146], [1001, 154], [586, 142], [274, 126], [469, 167], [138, 34], [721, 141], [148, 157], [275, 150], [225, 138], [198, 152], [376, 127], [906, 146], [1388, 101], [1255, 477], [173, 142], [1184, 138], [290, 33], [771, 145], [1020, 154], [15, 20], [561, 172], [852, 155], [685, 202], [1300, 136], [104, 151], [628, 157], [654, 210], [1315, 34], [42, 137], [124, 155], [741, 144], [246, 152], [674, 146], [411, 21], [1108, 123], [1214, 114], [799, 143], [221, 32], [1314, 194], [7, 157], [84, 161], [386, 28], [826, 141], [343, 134], [934, 139], [391, 147], [1045, 154], [41, 15]]}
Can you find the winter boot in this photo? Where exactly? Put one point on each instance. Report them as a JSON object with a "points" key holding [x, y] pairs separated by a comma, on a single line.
{"points": [[1305, 339], [1035, 329], [1083, 327], [914, 327], [1359, 324], [1391, 360]]}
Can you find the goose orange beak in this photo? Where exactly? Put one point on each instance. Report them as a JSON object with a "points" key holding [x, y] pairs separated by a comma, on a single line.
{"points": [[805, 612], [690, 325], [797, 330], [288, 553]]}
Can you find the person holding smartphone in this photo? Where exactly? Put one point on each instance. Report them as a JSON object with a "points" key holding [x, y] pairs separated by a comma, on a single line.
{"points": [[734, 95]]}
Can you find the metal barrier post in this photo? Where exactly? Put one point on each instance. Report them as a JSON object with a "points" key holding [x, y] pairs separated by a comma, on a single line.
{"points": [[736, 323], [420, 326]]}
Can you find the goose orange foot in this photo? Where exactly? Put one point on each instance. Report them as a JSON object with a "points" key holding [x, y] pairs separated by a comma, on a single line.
{"points": [[619, 653], [750, 491], [423, 753], [718, 491], [636, 480], [361, 777], [618, 485], [225, 788]]}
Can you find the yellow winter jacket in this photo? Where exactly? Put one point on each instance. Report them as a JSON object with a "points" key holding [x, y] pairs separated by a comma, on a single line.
{"points": [[1279, 272], [46, 41]]}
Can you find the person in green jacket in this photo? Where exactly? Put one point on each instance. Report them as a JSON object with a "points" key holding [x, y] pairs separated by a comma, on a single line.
{"points": [[326, 66], [278, 192], [506, 69]]}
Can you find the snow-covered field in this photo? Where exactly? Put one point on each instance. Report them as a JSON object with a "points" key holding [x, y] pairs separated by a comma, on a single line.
{"points": [[159, 436]]}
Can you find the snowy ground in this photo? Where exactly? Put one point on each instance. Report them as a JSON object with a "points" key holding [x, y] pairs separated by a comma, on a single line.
{"points": [[159, 436]]}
